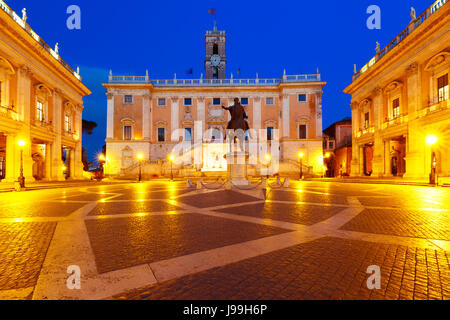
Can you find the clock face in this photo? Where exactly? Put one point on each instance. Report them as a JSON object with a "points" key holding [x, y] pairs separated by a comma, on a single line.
{"points": [[215, 60]]}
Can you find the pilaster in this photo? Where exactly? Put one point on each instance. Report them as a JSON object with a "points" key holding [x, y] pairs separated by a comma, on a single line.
{"points": [[256, 113], [110, 116], [146, 121], [319, 114], [174, 118]]}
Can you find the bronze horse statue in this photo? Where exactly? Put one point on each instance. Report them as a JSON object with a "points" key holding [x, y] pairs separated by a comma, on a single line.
{"points": [[238, 116]]}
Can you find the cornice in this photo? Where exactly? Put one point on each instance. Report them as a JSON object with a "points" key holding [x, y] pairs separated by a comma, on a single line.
{"points": [[436, 22], [21, 38]]}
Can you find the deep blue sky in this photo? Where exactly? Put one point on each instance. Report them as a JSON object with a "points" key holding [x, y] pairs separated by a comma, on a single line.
{"points": [[263, 37]]}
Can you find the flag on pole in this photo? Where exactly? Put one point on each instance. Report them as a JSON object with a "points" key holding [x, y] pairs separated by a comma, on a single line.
{"points": [[212, 11], [239, 71]]}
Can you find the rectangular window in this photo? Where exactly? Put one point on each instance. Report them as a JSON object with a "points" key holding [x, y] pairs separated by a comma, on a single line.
{"points": [[302, 97], [366, 120], [269, 101], [187, 101], [324, 144], [161, 135], [216, 101], [244, 101], [331, 145], [126, 132], [67, 124], [443, 88], [39, 111], [161, 102], [187, 134], [269, 133], [302, 131], [128, 99], [396, 108]]}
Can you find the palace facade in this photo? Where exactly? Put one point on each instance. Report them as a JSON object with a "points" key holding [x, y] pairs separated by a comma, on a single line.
{"points": [[183, 117], [400, 103], [41, 106]]}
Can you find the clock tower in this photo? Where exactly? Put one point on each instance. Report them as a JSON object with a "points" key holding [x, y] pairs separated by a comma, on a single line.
{"points": [[215, 61]]}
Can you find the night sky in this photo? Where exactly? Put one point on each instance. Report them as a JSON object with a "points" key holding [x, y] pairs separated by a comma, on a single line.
{"points": [[263, 37]]}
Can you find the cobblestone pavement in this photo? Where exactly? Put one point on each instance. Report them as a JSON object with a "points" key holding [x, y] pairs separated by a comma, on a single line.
{"points": [[162, 240]]}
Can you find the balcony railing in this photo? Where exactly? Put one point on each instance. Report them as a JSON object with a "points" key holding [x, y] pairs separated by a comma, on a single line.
{"points": [[393, 121], [8, 112], [215, 32], [435, 104], [405, 33], [43, 124], [38, 39], [365, 131], [215, 82]]}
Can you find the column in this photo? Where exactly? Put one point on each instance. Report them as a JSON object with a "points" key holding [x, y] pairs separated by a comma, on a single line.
{"points": [[77, 162], [110, 116], [146, 121], [416, 156], [57, 174], [414, 91], [48, 162], [174, 118], [201, 110], [378, 146], [387, 158], [12, 159], [24, 107], [416, 152], [354, 164], [71, 163], [285, 115], [4, 90], [256, 113], [361, 160], [319, 114]]}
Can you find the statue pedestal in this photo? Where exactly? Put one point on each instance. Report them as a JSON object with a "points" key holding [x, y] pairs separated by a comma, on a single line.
{"points": [[237, 167]]}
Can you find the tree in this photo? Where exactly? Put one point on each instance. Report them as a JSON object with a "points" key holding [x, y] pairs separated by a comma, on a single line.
{"points": [[89, 126], [86, 163]]}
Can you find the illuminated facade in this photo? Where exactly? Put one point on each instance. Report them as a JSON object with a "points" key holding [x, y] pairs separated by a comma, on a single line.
{"points": [[400, 98], [41, 106], [158, 117]]}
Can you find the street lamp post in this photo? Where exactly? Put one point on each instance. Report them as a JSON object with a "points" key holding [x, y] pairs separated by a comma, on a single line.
{"points": [[171, 157], [21, 178], [325, 168], [431, 140], [140, 156], [101, 159], [300, 157]]}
